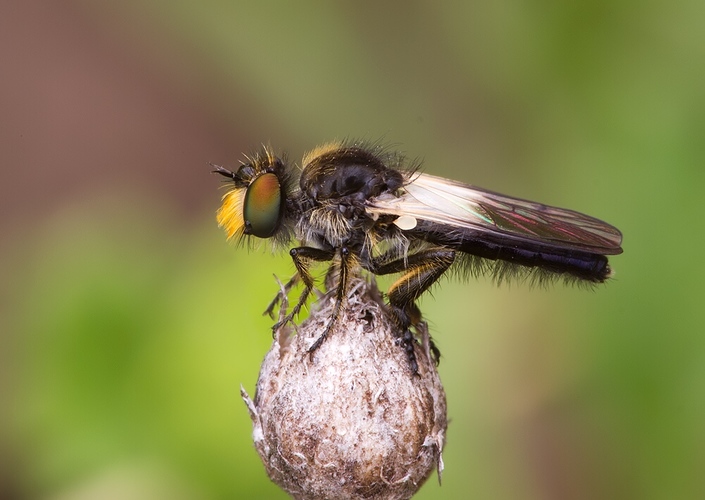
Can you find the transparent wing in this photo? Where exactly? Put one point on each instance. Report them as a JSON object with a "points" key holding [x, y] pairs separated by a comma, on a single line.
{"points": [[479, 211]]}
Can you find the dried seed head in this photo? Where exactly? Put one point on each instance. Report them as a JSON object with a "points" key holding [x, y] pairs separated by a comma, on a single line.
{"points": [[351, 420]]}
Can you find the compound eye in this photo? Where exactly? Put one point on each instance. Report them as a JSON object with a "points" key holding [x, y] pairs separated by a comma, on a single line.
{"points": [[262, 206]]}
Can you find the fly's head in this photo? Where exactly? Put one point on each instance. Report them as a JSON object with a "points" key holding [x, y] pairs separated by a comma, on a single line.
{"points": [[259, 201]]}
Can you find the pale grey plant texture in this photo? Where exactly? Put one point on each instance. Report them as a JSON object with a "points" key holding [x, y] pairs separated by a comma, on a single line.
{"points": [[350, 420]]}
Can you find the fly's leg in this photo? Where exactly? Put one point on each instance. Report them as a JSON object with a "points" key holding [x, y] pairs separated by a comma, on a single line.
{"points": [[283, 333], [421, 270], [429, 346], [302, 257], [281, 296], [346, 260]]}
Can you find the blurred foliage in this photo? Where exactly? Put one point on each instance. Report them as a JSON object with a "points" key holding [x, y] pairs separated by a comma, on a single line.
{"points": [[133, 348], [128, 330]]}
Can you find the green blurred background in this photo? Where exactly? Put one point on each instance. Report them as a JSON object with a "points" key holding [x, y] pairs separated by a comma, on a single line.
{"points": [[128, 323]]}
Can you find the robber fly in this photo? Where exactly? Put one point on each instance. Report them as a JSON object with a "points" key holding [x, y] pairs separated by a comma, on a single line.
{"points": [[360, 206]]}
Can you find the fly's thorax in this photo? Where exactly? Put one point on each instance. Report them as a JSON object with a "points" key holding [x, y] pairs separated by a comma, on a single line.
{"points": [[324, 224], [347, 171]]}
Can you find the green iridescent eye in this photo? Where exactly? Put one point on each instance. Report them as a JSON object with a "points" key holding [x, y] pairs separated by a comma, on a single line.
{"points": [[262, 206]]}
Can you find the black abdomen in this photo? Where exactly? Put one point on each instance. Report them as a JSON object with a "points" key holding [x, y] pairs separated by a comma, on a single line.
{"points": [[555, 260]]}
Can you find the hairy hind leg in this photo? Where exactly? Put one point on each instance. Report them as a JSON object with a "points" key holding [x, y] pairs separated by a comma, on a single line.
{"points": [[421, 270]]}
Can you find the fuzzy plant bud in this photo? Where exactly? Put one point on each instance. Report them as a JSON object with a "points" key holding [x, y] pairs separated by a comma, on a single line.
{"points": [[350, 420]]}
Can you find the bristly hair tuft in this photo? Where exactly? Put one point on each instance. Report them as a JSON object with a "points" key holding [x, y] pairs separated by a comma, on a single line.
{"points": [[502, 272]]}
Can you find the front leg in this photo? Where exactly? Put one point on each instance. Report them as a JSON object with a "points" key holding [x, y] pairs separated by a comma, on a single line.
{"points": [[422, 270], [302, 257], [281, 295]]}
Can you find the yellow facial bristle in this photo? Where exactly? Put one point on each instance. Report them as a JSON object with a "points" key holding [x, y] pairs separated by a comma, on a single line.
{"points": [[229, 215]]}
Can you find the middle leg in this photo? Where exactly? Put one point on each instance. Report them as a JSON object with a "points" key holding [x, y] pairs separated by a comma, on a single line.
{"points": [[346, 262]]}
